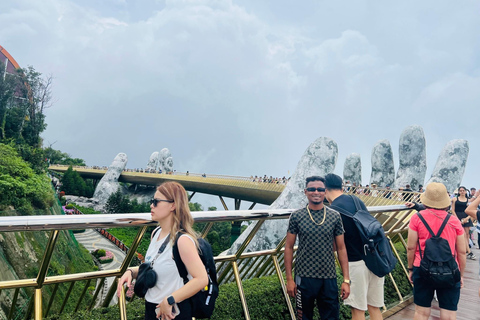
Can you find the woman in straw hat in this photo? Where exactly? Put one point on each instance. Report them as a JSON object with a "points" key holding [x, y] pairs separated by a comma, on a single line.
{"points": [[436, 202]]}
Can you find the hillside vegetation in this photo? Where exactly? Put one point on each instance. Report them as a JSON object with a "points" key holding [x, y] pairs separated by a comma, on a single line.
{"points": [[23, 191], [21, 188]]}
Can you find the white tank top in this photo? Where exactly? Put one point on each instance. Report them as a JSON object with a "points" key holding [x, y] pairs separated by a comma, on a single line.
{"points": [[168, 278]]}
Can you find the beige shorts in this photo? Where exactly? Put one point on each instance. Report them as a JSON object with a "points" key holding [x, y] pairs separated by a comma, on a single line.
{"points": [[365, 289]]}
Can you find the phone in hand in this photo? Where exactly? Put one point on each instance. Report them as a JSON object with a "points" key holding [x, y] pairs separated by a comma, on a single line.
{"points": [[175, 310]]}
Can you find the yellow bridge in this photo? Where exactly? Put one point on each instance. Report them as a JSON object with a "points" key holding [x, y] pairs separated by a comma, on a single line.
{"points": [[241, 188]]}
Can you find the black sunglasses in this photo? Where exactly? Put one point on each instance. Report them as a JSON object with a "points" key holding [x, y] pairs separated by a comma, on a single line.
{"points": [[311, 189], [156, 201]]}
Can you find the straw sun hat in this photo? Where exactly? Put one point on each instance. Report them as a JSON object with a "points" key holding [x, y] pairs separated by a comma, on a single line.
{"points": [[435, 196]]}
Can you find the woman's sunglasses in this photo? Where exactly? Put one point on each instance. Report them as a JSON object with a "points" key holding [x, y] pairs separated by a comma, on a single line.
{"points": [[156, 201]]}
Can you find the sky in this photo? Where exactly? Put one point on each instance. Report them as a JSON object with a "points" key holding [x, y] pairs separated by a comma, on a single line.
{"points": [[243, 87]]}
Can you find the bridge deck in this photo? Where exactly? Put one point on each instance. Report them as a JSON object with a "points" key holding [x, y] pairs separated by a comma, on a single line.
{"points": [[226, 186], [468, 307]]}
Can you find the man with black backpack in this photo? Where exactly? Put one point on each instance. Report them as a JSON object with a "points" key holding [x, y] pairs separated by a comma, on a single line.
{"points": [[366, 289], [436, 254]]}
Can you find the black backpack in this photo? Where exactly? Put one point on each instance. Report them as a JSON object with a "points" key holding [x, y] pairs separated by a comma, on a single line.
{"points": [[378, 255], [438, 266], [203, 302]]}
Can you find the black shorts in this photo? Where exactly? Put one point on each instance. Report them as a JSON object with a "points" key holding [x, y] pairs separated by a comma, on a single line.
{"points": [[323, 291], [423, 294], [185, 308]]}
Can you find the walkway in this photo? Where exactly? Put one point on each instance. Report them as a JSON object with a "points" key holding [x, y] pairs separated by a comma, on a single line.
{"points": [[469, 305], [226, 186], [92, 240]]}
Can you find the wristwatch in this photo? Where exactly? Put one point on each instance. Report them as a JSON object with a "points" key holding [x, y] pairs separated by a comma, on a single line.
{"points": [[171, 300], [347, 281]]}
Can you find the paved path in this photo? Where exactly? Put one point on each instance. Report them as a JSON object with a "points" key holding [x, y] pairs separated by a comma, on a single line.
{"points": [[469, 305], [93, 240]]}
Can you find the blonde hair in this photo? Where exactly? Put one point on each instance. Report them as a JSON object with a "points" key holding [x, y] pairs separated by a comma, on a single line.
{"points": [[182, 218]]}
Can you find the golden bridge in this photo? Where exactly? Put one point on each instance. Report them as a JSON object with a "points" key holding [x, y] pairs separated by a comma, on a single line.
{"points": [[239, 188]]}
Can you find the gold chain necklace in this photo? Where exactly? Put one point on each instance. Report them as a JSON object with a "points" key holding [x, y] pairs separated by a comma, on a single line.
{"points": [[324, 215]]}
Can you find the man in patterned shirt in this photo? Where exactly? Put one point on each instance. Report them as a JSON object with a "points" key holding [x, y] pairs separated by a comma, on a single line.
{"points": [[319, 229]]}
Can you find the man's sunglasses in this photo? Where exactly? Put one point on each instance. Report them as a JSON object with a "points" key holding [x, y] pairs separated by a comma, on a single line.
{"points": [[156, 201], [315, 189]]}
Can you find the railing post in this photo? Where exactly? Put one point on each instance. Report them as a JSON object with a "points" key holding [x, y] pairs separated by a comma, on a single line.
{"points": [[122, 304], [240, 290], [125, 264], [38, 304], [284, 288], [46, 258]]}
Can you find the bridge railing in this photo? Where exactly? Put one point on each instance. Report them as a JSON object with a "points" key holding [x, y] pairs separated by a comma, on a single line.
{"points": [[234, 267]]}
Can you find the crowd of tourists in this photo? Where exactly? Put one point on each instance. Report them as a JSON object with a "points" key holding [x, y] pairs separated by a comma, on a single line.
{"points": [[265, 179], [439, 241], [438, 245]]}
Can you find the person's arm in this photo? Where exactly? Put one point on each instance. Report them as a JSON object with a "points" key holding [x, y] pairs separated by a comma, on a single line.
{"points": [[189, 255], [415, 206], [343, 259], [452, 209], [128, 276], [473, 207], [461, 248], [288, 261], [411, 248]]}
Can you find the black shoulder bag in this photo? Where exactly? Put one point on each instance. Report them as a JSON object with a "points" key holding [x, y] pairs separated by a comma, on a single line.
{"points": [[147, 277]]}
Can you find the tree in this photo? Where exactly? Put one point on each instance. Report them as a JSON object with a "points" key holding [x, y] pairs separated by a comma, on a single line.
{"points": [[24, 96], [119, 203], [68, 181], [74, 184], [58, 157], [114, 202]]}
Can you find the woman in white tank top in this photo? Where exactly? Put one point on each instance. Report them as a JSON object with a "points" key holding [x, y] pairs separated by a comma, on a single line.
{"points": [[169, 208]]}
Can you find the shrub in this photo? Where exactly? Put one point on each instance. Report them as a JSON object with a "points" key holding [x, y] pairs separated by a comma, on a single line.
{"points": [[99, 253], [107, 258]]}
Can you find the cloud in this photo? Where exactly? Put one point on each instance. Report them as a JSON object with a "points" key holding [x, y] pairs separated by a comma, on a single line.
{"points": [[243, 88]]}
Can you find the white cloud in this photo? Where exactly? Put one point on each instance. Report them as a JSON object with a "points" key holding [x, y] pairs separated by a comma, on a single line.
{"points": [[254, 81]]}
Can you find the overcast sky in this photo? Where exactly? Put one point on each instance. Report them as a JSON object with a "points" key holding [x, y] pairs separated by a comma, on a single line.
{"points": [[243, 87]]}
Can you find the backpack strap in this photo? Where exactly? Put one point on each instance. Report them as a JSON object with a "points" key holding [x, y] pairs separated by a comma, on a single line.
{"points": [[154, 232], [342, 211], [357, 202], [182, 270], [426, 224], [345, 212], [430, 230], [443, 224]]}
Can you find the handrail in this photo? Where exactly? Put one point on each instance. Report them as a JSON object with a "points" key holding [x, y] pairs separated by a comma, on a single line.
{"points": [[69, 222], [235, 267]]}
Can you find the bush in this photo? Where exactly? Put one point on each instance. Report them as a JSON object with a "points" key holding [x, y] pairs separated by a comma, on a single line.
{"points": [[69, 206], [20, 186], [99, 253]]}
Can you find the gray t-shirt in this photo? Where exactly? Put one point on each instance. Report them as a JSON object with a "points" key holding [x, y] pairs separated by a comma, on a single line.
{"points": [[315, 257]]}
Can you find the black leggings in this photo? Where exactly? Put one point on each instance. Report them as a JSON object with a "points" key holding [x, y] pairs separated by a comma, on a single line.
{"points": [[185, 310]]}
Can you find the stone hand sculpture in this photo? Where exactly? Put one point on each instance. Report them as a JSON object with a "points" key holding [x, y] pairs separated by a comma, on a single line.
{"points": [[109, 183]]}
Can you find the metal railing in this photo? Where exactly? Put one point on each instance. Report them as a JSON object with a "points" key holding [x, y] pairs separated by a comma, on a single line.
{"points": [[235, 267]]}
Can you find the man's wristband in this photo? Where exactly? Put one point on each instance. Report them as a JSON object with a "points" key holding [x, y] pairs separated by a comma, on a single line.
{"points": [[131, 271], [410, 269]]}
